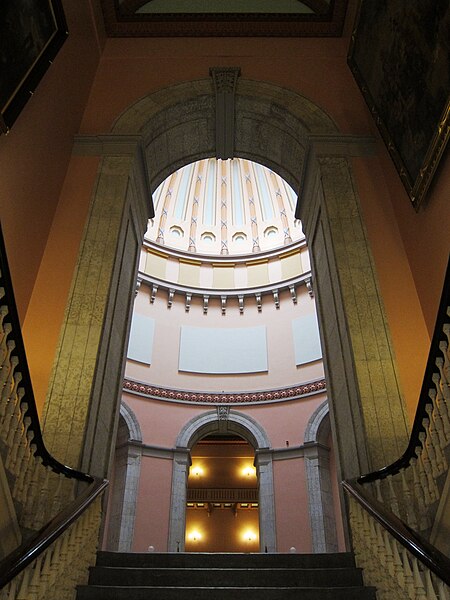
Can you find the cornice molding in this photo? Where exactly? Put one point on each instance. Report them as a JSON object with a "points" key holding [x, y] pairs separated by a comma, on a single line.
{"points": [[310, 450], [213, 398], [105, 144], [229, 260], [156, 285]]}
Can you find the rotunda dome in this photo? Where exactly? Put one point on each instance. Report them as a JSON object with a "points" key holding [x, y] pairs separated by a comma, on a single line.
{"points": [[221, 207]]}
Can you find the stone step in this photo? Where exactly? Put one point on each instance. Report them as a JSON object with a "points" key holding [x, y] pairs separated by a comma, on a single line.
{"points": [[237, 560], [225, 577], [220, 593]]}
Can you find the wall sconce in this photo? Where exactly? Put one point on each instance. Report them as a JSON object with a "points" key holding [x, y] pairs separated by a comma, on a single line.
{"points": [[194, 536], [249, 471], [249, 535], [196, 471]]}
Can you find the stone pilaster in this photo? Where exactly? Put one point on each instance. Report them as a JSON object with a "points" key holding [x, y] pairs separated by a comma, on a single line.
{"points": [[320, 498], [177, 526], [366, 406], [81, 411], [267, 530]]}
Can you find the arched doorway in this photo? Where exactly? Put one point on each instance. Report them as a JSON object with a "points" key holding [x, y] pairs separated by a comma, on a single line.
{"points": [[222, 513], [222, 422], [295, 138]]}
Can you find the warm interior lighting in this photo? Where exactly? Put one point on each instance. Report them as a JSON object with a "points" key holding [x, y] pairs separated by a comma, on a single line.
{"points": [[249, 471], [194, 535], [196, 471], [249, 535]]}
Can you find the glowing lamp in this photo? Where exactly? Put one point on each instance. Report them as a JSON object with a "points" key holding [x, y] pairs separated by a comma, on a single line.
{"points": [[196, 471], [194, 536], [249, 535], [249, 471]]}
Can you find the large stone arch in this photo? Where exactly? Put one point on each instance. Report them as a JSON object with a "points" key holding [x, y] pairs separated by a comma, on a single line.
{"points": [[222, 420], [274, 127], [295, 137]]}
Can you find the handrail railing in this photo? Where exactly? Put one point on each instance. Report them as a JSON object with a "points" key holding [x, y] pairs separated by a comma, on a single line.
{"points": [[424, 398], [26, 553], [20, 416], [417, 545]]}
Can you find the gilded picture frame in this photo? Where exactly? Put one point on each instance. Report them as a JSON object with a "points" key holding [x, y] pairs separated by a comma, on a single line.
{"points": [[31, 34], [399, 56]]}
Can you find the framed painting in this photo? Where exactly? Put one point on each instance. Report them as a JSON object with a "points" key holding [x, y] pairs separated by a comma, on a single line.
{"points": [[399, 56], [31, 34]]}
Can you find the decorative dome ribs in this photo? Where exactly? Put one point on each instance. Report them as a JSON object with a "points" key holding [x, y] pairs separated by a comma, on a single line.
{"points": [[224, 207]]}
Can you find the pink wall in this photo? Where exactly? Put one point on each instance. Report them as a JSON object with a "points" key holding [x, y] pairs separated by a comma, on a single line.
{"points": [[152, 515], [35, 154], [291, 506], [282, 369], [46, 310], [161, 421]]}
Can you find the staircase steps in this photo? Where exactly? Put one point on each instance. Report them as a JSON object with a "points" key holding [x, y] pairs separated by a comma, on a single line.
{"points": [[219, 576]]}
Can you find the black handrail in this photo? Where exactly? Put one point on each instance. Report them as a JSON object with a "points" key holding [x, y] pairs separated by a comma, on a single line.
{"points": [[424, 399], [27, 552], [418, 546]]}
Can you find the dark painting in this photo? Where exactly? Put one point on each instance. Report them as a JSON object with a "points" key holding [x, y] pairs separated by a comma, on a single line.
{"points": [[31, 33], [400, 56]]}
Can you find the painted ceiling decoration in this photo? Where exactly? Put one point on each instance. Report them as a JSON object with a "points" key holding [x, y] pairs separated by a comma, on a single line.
{"points": [[280, 18], [222, 207]]}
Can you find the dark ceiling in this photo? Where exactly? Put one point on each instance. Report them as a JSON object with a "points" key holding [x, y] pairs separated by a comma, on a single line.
{"points": [[144, 18]]}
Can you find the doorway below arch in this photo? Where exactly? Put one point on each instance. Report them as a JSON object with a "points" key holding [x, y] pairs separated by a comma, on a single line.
{"points": [[222, 508]]}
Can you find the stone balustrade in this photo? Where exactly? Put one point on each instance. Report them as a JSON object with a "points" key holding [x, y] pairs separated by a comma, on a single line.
{"points": [[56, 572], [387, 564], [414, 492]]}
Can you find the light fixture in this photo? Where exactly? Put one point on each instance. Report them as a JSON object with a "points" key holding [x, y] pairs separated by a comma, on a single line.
{"points": [[249, 535], [196, 471], [194, 535], [249, 471]]}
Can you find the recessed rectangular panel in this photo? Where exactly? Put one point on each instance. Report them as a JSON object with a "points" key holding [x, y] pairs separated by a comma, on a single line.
{"points": [[305, 331], [142, 333], [223, 351], [189, 274]]}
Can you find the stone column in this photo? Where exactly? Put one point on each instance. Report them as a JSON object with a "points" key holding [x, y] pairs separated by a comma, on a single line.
{"points": [[128, 459], [320, 498], [367, 411], [177, 526], [267, 531], [82, 406]]}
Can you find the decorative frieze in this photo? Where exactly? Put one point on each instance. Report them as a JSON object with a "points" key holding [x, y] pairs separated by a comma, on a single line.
{"points": [[289, 393]]}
